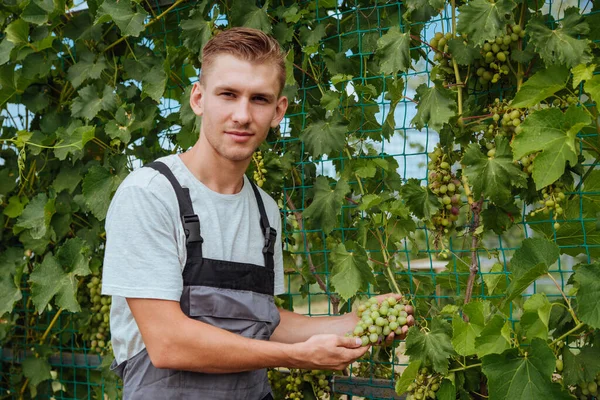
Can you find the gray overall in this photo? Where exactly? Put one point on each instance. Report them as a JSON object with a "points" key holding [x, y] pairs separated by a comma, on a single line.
{"points": [[234, 296]]}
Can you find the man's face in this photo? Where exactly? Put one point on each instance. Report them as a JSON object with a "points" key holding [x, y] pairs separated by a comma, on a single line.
{"points": [[238, 102]]}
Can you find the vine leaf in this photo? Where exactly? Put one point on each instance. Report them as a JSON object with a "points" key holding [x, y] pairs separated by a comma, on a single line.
{"points": [[482, 20], [49, 280], [529, 262], [588, 282], [196, 31], [463, 52], [536, 316], [37, 215], [88, 104], [583, 366], [553, 133], [393, 50], [86, 67], [581, 73], [436, 106], [324, 137], [327, 202], [561, 46], [72, 255], [72, 140], [495, 281], [420, 200], [541, 85], [98, 187], [465, 333], [37, 11], [592, 86], [37, 370], [12, 263], [408, 376], [433, 347], [493, 177], [494, 338], [351, 271], [246, 13], [447, 390], [423, 10], [129, 22], [6, 47], [515, 377]]}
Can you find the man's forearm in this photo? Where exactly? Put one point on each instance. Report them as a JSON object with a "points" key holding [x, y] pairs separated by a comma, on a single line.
{"points": [[295, 328]]}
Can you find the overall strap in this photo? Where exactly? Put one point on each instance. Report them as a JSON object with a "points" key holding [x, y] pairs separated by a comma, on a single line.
{"points": [[191, 222], [269, 233]]}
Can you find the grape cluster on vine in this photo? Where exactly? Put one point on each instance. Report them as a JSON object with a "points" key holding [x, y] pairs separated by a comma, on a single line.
{"points": [[378, 320], [552, 197], [446, 186], [495, 54], [96, 332], [505, 120], [259, 169], [424, 386], [291, 384], [587, 390]]}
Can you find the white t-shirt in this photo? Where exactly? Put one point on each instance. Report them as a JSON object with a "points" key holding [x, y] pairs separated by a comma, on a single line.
{"points": [[145, 244]]}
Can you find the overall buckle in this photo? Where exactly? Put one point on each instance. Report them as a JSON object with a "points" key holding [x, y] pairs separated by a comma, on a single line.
{"points": [[270, 236], [191, 227]]}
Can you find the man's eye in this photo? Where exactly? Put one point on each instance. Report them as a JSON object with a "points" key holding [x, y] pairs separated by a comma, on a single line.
{"points": [[227, 94], [261, 99]]}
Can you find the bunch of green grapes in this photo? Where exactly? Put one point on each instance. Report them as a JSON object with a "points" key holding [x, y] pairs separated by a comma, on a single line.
{"points": [[375, 370], [378, 320], [552, 197], [588, 390], [424, 386], [439, 43], [96, 332], [444, 184], [259, 169], [505, 120], [495, 55], [278, 382], [292, 385]]}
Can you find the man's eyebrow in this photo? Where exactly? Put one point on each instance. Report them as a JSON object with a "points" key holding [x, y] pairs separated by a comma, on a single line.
{"points": [[268, 96]]}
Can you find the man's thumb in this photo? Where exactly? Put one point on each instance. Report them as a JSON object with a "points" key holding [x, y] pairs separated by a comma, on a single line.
{"points": [[350, 342]]}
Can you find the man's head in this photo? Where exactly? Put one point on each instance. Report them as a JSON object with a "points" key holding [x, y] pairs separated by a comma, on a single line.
{"points": [[246, 44]]}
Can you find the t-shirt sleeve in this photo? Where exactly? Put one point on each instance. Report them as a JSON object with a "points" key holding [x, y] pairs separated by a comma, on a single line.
{"points": [[141, 257]]}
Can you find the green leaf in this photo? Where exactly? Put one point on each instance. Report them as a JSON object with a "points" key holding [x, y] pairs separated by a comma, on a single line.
{"points": [[196, 31], [581, 73], [49, 280], [98, 188], [8, 181], [350, 272], [592, 87], [420, 200], [17, 32], [88, 104], [86, 67], [326, 204], [423, 10], [37, 370], [408, 376], [433, 347], [465, 333], [6, 47], [499, 218], [129, 22], [482, 20], [561, 46], [541, 85], [247, 14], [553, 133], [583, 366], [494, 338], [436, 106], [37, 215], [11, 265], [324, 137], [536, 316], [72, 255], [37, 11], [463, 52], [447, 390], [393, 51], [588, 281], [8, 83], [311, 37], [15, 207], [529, 262], [72, 140], [495, 279], [515, 377], [493, 177]]}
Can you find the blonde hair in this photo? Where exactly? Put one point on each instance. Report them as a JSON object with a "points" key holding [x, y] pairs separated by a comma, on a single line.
{"points": [[247, 44]]}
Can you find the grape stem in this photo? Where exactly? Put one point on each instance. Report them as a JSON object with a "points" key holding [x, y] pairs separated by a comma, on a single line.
{"points": [[476, 208], [575, 329], [459, 83], [570, 308], [465, 367]]}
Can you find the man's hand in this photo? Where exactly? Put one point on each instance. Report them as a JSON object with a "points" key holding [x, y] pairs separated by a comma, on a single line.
{"points": [[328, 351], [410, 319]]}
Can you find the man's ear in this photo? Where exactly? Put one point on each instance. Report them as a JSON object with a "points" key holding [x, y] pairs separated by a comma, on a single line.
{"points": [[197, 98], [282, 105]]}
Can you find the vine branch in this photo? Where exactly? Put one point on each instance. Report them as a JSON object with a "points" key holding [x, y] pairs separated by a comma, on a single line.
{"points": [[476, 209]]}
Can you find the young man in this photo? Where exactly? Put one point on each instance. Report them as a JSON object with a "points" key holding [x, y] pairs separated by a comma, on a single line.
{"points": [[193, 253]]}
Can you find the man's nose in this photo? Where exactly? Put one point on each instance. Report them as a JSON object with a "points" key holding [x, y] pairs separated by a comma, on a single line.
{"points": [[241, 113]]}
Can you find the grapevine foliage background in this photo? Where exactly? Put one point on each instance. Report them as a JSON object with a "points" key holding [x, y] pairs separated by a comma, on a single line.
{"points": [[446, 150]]}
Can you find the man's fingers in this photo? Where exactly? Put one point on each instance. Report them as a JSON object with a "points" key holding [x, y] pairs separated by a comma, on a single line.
{"points": [[410, 321], [349, 342], [409, 309]]}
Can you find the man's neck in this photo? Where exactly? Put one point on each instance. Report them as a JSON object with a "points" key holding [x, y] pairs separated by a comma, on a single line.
{"points": [[218, 174]]}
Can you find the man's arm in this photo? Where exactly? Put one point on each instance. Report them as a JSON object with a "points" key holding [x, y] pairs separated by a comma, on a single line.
{"points": [[175, 341]]}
